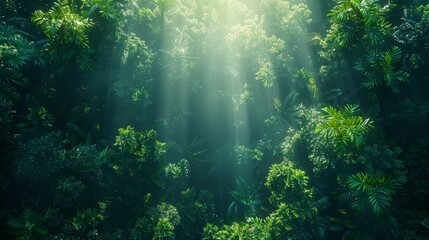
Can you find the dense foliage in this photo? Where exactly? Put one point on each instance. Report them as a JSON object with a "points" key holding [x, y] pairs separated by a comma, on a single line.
{"points": [[226, 119]]}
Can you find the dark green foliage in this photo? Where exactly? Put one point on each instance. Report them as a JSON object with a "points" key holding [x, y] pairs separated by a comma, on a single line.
{"points": [[31, 225], [67, 191], [136, 161], [9, 93], [159, 223], [6, 117], [39, 117], [373, 191], [410, 111], [41, 157], [44, 159], [88, 219], [108, 9], [412, 34], [196, 208], [245, 196], [285, 109], [382, 69], [16, 51]]}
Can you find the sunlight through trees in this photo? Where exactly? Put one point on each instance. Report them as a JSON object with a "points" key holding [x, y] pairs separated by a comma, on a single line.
{"points": [[214, 119]]}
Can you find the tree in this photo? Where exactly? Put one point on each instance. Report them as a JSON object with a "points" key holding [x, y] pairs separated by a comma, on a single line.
{"points": [[16, 52], [31, 225], [67, 32], [358, 23]]}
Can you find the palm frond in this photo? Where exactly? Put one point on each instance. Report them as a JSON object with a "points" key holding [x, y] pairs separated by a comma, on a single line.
{"points": [[344, 127], [382, 69], [30, 225], [8, 93], [373, 191], [63, 26]]}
